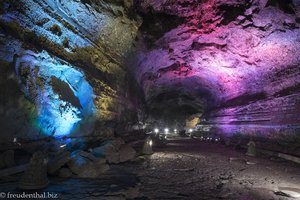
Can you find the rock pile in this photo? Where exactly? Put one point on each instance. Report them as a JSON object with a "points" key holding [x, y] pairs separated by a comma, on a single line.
{"points": [[90, 164], [115, 151], [85, 165]]}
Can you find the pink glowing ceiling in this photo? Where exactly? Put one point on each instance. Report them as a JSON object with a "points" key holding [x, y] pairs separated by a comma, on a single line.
{"points": [[236, 61]]}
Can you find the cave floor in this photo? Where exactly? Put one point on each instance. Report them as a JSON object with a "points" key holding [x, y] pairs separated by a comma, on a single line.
{"points": [[183, 169], [192, 169]]}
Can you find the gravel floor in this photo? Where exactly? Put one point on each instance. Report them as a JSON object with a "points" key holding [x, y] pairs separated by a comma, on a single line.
{"points": [[185, 169], [192, 169]]}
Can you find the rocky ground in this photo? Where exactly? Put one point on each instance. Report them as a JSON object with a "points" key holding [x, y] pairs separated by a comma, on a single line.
{"points": [[184, 169], [192, 169]]}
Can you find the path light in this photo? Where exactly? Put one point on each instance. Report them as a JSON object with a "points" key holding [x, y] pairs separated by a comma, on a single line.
{"points": [[150, 142], [166, 130], [190, 130], [251, 150], [147, 148], [156, 130], [175, 130]]}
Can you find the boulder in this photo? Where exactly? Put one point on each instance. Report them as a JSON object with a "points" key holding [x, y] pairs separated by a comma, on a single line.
{"points": [[126, 153], [77, 163], [108, 148], [87, 166], [58, 162], [113, 157], [87, 155], [115, 151], [93, 170], [13, 170]]}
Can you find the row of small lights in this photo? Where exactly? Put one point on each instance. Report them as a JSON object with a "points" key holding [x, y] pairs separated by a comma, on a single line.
{"points": [[190, 131], [209, 139], [167, 130]]}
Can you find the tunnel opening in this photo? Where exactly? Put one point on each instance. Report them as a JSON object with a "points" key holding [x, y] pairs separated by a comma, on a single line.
{"points": [[175, 106]]}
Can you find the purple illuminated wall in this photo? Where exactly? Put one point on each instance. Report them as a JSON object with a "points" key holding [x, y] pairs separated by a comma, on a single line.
{"points": [[241, 59], [235, 61]]}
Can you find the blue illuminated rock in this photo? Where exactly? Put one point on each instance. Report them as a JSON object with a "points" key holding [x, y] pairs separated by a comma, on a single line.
{"points": [[93, 36], [64, 99]]}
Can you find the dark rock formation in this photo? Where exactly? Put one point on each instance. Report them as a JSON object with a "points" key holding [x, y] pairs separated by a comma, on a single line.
{"points": [[86, 66], [235, 61], [35, 176], [68, 58]]}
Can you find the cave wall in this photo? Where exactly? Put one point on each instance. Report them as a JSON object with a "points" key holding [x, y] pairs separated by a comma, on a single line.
{"points": [[236, 61], [62, 66]]}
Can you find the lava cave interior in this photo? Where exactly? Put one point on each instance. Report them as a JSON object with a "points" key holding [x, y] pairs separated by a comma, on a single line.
{"points": [[202, 94]]}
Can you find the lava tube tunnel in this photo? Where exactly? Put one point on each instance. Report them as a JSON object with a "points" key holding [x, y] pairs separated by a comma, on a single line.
{"points": [[150, 99]]}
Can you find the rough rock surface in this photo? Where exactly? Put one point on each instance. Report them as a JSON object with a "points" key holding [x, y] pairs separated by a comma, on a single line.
{"points": [[184, 169], [115, 151], [60, 160], [59, 30], [120, 184], [127, 153], [235, 61], [86, 166], [108, 148]]}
